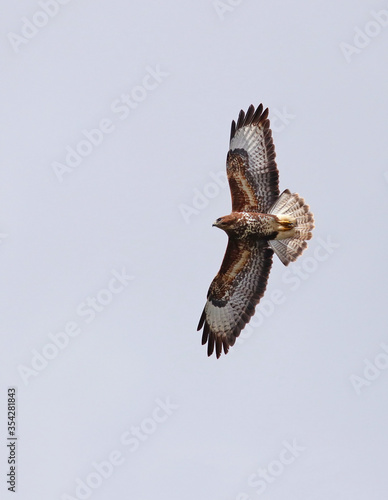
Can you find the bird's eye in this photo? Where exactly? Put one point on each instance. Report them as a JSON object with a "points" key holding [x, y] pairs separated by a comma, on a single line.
{"points": [[219, 220]]}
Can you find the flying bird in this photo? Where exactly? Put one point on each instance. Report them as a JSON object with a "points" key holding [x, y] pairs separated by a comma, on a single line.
{"points": [[261, 223]]}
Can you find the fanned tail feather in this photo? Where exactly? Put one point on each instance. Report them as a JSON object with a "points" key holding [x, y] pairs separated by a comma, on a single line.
{"points": [[293, 207]]}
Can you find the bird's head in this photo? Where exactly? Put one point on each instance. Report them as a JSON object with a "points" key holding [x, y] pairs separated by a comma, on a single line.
{"points": [[226, 223]]}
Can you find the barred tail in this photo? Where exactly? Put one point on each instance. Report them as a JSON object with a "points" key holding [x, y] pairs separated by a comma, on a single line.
{"points": [[290, 208]]}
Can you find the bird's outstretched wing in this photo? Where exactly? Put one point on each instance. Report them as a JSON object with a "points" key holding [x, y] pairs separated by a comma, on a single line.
{"points": [[235, 292], [250, 165]]}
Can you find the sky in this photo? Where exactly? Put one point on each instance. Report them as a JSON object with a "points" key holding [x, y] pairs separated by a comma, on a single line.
{"points": [[115, 127]]}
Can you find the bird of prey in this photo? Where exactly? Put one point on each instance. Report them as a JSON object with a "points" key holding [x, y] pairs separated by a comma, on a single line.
{"points": [[261, 223]]}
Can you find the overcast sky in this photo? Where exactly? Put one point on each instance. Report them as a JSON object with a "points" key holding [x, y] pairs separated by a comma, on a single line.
{"points": [[115, 127]]}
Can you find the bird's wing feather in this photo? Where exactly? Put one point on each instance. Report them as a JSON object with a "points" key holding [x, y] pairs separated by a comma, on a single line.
{"points": [[250, 166], [235, 292]]}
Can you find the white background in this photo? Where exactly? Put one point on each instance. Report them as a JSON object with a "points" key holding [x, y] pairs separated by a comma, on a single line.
{"points": [[293, 377]]}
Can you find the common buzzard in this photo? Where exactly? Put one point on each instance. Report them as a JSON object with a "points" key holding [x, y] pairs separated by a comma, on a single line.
{"points": [[261, 222]]}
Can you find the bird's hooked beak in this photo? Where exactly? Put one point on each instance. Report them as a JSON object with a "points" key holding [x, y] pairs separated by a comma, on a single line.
{"points": [[217, 222]]}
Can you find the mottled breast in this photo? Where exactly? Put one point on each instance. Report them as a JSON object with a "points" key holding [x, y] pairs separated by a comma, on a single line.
{"points": [[262, 226]]}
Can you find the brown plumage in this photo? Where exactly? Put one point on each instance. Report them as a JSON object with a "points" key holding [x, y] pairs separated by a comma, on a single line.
{"points": [[261, 222]]}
